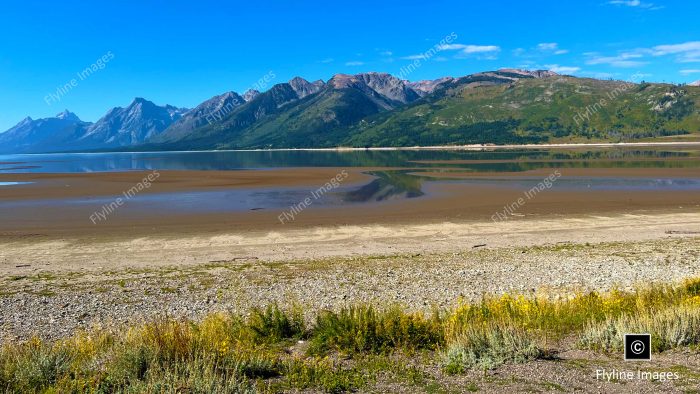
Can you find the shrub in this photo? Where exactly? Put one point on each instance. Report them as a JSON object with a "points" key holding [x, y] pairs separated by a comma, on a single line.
{"points": [[42, 366], [669, 328], [324, 374], [130, 365], [273, 325], [488, 347], [227, 353], [195, 377], [558, 317], [363, 328]]}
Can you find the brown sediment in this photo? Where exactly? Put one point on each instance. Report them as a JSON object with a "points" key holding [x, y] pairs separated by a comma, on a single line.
{"points": [[443, 202], [545, 160], [52, 185], [601, 172]]}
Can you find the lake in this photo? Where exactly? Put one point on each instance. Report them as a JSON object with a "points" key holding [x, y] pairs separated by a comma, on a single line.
{"points": [[396, 174]]}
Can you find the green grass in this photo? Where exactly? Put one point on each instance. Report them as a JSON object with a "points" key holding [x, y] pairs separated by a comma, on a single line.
{"points": [[274, 349]]}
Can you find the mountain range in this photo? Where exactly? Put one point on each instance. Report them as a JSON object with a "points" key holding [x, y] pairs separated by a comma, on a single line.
{"points": [[120, 127], [378, 109]]}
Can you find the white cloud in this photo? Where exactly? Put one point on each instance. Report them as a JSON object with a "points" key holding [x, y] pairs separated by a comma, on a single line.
{"points": [[485, 51], [636, 4], [541, 49], [467, 49], [354, 63], [562, 69], [629, 3], [328, 60], [551, 47], [548, 46], [690, 46], [386, 53], [687, 52], [414, 57], [623, 60], [689, 71], [598, 75]]}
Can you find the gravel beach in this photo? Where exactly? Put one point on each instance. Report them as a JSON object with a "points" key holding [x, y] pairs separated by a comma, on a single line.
{"points": [[56, 304]]}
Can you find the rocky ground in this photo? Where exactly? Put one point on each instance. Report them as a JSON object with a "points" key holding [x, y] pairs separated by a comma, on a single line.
{"points": [[55, 304], [52, 304]]}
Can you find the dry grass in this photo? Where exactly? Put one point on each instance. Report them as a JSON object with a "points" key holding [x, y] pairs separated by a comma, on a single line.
{"points": [[228, 353]]}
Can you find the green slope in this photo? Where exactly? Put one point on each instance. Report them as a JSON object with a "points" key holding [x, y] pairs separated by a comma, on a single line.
{"points": [[317, 120], [535, 110], [492, 107]]}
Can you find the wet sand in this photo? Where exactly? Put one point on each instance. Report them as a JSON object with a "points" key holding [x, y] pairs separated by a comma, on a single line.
{"points": [[452, 216], [51, 185]]}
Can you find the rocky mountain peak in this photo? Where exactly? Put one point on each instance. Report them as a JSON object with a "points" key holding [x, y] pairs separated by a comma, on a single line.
{"points": [[67, 115], [250, 94], [140, 100], [389, 86], [427, 86], [341, 81], [303, 87]]}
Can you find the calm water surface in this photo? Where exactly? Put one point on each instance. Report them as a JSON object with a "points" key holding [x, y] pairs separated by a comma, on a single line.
{"points": [[403, 181], [495, 160]]}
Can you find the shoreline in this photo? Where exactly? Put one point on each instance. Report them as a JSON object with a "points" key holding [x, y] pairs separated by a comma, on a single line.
{"points": [[32, 252], [54, 303], [398, 148]]}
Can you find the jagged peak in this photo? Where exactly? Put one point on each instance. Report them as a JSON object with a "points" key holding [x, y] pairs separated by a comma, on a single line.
{"points": [[427, 86], [250, 94], [67, 115], [140, 100], [376, 74], [298, 80], [303, 88], [228, 94]]}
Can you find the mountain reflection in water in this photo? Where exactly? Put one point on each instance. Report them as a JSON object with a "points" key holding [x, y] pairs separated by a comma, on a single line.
{"points": [[389, 185]]}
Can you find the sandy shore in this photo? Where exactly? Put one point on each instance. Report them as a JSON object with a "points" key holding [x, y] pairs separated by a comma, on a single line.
{"points": [[34, 253]]}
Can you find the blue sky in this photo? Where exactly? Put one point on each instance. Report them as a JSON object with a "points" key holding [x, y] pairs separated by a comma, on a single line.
{"points": [[184, 52]]}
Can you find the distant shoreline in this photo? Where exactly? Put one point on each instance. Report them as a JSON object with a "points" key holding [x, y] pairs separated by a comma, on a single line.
{"points": [[487, 146], [401, 148]]}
